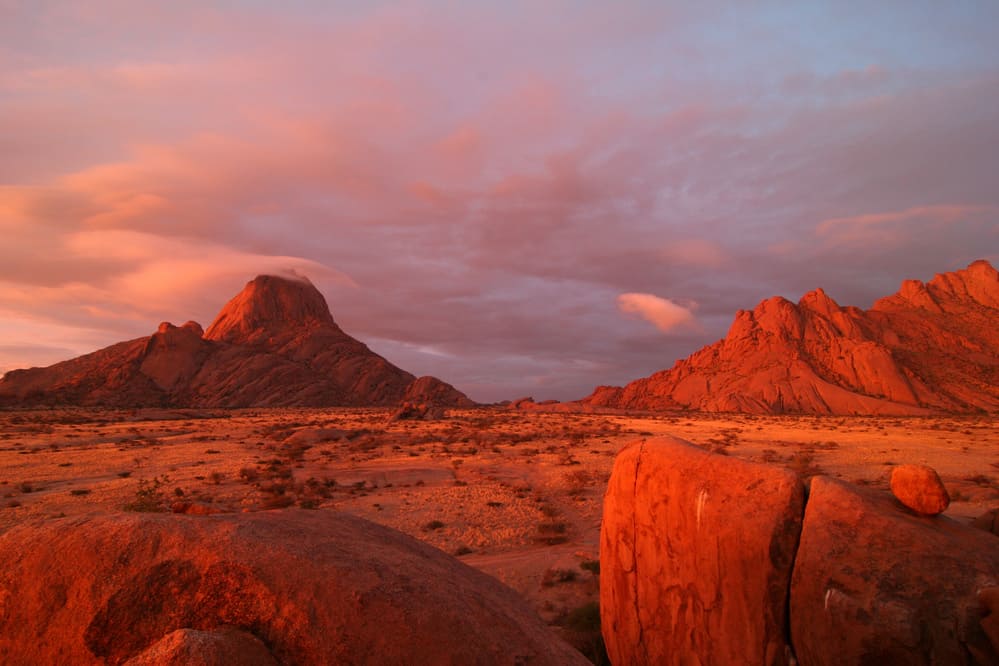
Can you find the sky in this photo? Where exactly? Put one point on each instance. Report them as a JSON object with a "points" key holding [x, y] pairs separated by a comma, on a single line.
{"points": [[521, 198]]}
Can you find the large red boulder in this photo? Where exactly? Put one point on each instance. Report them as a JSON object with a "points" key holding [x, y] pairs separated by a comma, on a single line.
{"points": [[695, 557], [313, 586], [875, 584]]}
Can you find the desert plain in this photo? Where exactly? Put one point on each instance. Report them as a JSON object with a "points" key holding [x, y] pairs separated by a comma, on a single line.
{"points": [[516, 494]]}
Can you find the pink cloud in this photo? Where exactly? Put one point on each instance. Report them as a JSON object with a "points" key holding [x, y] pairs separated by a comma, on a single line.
{"points": [[665, 314], [894, 226]]}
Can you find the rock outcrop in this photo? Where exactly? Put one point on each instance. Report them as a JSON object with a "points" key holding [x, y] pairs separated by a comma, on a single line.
{"points": [[885, 586], [274, 345], [931, 347], [706, 559], [302, 587], [695, 557]]}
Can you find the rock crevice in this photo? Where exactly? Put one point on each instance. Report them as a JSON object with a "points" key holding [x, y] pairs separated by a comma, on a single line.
{"points": [[770, 578]]}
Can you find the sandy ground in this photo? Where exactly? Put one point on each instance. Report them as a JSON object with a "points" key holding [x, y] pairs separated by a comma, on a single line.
{"points": [[515, 494]]}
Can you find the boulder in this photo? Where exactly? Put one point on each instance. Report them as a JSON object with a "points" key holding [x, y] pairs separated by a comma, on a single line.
{"points": [[313, 586], [417, 411], [695, 556], [919, 488], [875, 584]]}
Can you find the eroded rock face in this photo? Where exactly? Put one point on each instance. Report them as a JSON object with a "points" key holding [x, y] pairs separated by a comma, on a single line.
{"points": [[312, 586], [266, 305], [930, 347], [874, 584], [273, 345], [696, 552], [919, 487]]}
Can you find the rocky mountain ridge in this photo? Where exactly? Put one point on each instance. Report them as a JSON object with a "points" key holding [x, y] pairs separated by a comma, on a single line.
{"points": [[929, 348], [275, 344]]}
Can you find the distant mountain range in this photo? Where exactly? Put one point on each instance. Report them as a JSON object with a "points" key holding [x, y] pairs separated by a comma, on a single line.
{"points": [[274, 345], [929, 348]]}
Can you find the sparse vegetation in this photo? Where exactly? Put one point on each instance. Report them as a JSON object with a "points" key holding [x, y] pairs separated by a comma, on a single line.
{"points": [[149, 496], [555, 576], [488, 482]]}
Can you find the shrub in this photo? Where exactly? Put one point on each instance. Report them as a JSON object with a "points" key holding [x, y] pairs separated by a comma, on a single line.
{"points": [[249, 474], [552, 533], [149, 496], [554, 576]]}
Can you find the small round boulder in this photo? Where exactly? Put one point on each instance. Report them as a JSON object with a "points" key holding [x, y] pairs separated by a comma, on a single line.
{"points": [[919, 488]]}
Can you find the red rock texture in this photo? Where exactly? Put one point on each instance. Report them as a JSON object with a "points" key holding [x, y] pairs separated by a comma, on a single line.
{"points": [[274, 345], [931, 347], [706, 559], [695, 557], [874, 584], [314, 587], [988, 521], [221, 647], [919, 487]]}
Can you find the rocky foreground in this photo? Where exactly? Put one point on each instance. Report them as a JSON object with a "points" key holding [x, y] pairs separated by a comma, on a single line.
{"points": [[275, 344], [929, 348], [291, 587], [707, 559]]}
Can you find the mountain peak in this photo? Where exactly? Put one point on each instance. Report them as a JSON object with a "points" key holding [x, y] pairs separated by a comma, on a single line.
{"points": [[978, 283], [974, 286], [931, 347], [267, 301]]}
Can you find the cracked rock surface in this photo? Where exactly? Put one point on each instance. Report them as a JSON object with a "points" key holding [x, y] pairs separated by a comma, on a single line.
{"points": [[706, 559], [696, 555]]}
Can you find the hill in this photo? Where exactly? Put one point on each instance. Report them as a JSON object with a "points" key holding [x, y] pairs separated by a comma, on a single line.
{"points": [[274, 345], [929, 348]]}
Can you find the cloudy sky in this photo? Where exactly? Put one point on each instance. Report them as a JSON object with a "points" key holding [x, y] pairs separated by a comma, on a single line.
{"points": [[522, 198]]}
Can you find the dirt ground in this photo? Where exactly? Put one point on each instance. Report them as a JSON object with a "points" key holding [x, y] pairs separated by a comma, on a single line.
{"points": [[515, 494]]}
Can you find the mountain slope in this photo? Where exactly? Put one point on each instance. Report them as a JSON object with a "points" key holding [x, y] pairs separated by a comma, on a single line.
{"points": [[930, 347], [275, 344]]}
